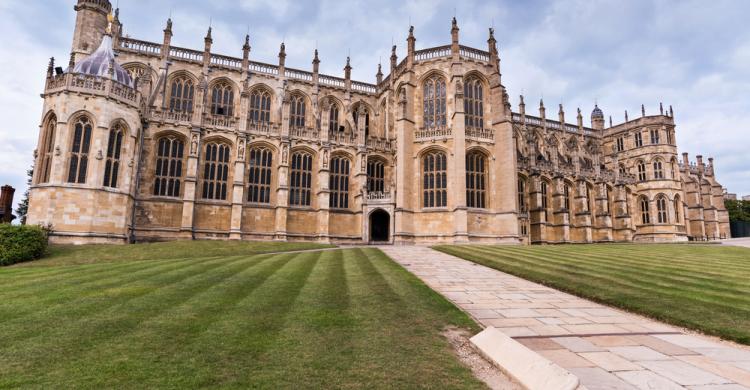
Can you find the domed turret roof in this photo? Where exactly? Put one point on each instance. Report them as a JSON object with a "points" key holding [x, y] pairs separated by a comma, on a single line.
{"points": [[97, 64], [597, 113]]}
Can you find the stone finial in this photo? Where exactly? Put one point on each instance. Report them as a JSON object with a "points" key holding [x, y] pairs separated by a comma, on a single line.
{"points": [[51, 67], [626, 115], [643, 110], [379, 75], [410, 41], [561, 114], [169, 26], [610, 121], [246, 46], [208, 38], [661, 109], [348, 69], [541, 109], [671, 113], [579, 117]]}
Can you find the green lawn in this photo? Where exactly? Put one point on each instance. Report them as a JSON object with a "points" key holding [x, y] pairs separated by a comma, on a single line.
{"points": [[326, 319], [703, 287]]}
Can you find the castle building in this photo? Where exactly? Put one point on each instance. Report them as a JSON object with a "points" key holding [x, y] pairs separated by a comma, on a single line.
{"points": [[147, 141]]}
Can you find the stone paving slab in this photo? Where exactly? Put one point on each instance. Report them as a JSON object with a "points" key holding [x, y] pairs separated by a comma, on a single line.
{"points": [[605, 347]]}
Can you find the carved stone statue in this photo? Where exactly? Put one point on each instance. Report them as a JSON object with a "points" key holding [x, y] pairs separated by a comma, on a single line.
{"points": [[285, 154], [325, 158], [194, 145], [241, 150]]}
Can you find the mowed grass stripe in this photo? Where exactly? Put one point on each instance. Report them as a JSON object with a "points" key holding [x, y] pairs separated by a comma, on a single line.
{"points": [[97, 313], [592, 269], [605, 278], [657, 294], [176, 327]]}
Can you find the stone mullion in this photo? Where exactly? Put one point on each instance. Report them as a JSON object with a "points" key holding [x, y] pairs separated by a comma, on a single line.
{"points": [[282, 191], [191, 183], [238, 188]]}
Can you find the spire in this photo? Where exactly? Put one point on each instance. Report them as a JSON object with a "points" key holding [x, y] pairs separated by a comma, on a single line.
{"points": [[246, 54], [492, 49], [643, 110], [208, 38], [410, 44], [51, 67], [394, 58], [579, 117], [454, 38], [561, 114], [379, 75], [316, 62], [661, 109], [610, 121], [522, 106], [626, 115], [348, 69], [671, 113], [541, 109], [246, 46]]}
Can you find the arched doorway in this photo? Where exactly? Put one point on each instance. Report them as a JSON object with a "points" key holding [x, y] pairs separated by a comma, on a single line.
{"points": [[380, 225]]}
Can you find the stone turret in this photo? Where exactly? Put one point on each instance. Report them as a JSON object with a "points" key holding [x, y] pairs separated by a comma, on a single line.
{"points": [[597, 118], [91, 23]]}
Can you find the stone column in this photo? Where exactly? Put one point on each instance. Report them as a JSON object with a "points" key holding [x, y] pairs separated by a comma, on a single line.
{"points": [[537, 221], [238, 189], [191, 182], [560, 214], [457, 193]]}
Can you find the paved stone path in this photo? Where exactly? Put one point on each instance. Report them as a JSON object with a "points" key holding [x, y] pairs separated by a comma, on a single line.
{"points": [[742, 241], [605, 347]]}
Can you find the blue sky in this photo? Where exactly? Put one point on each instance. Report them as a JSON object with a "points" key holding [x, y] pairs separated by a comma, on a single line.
{"points": [[694, 55]]}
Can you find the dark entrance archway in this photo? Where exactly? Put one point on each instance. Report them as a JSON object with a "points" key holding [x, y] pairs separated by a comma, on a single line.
{"points": [[380, 226]]}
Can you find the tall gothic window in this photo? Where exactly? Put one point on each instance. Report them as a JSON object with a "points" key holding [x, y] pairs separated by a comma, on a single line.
{"points": [[215, 171], [47, 150], [112, 164], [79, 151], [589, 200], [181, 95], [545, 199], [375, 176], [260, 107], [476, 180], [622, 169], [566, 197], [641, 171], [259, 176], [473, 104], [522, 195], [669, 137], [677, 207], [222, 99], [338, 183], [435, 180], [654, 136], [434, 102], [333, 118], [297, 112], [658, 170], [645, 214], [168, 167], [661, 209], [301, 179], [638, 139], [367, 120]]}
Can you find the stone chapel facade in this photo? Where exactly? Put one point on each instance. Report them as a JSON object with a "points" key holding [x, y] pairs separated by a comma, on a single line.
{"points": [[163, 143]]}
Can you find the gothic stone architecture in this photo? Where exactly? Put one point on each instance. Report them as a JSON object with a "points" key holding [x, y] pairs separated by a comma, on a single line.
{"points": [[148, 141]]}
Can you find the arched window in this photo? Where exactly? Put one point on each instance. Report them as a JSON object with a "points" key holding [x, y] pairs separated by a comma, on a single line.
{"points": [[435, 180], [181, 95], [641, 171], [434, 102], [112, 164], [301, 179], [473, 104], [658, 170], [622, 169], [522, 195], [297, 111], [476, 179], [259, 175], [677, 207], [367, 119], [545, 199], [338, 183], [260, 107], [375, 176], [222, 99], [661, 209], [645, 214], [566, 197], [79, 151], [590, 203], [47, 150], [215, 171], [333, 118], [168, 166], [610, 201]]}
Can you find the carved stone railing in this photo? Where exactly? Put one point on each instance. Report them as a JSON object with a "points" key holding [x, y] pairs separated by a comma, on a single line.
{"points": [[379, 144], [260, 67], [472, 53], [523, 162], [93, 85], [262, 127], [379, 196], [480, 134], [433, 52], [173, 116], [332, 81], [221, 121], [138, 46], [339, 138], [298, 74], [183, 54], [303, 132], [226, 61], [432, 133], [364, 87]]}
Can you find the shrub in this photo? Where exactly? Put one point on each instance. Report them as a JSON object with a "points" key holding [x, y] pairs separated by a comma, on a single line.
{"points": [[21, 243]]}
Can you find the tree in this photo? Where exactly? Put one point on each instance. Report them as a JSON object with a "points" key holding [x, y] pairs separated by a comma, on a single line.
{"points": [[739, 210], [23, 205]]}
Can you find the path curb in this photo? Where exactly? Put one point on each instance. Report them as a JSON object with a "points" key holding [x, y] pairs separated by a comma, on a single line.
{"points": [[530, 369]]}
